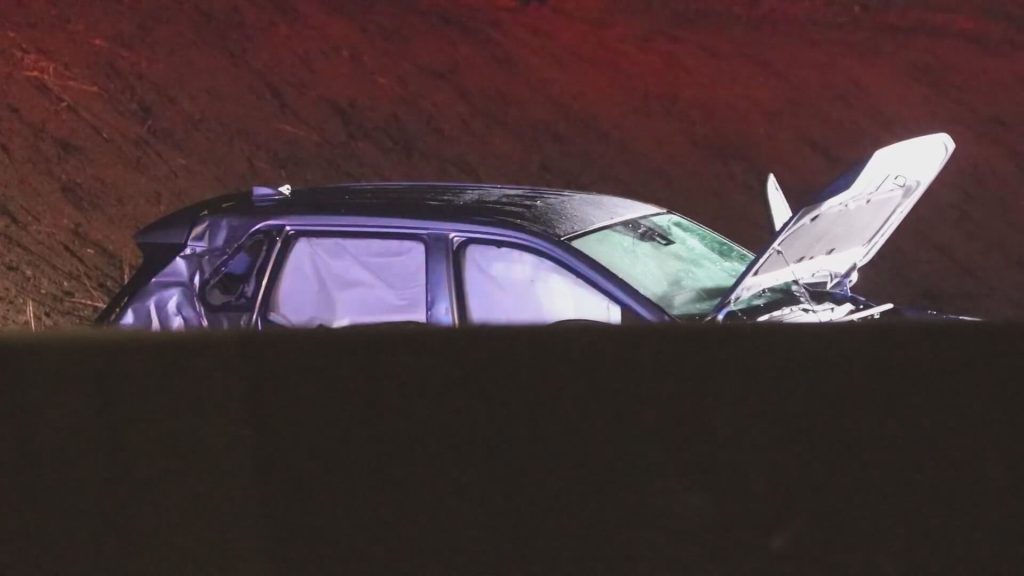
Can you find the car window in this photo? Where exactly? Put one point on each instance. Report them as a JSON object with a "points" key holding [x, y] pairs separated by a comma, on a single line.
{"points": [[235, 285], [505, 285], [682, 266], [344, 281]]}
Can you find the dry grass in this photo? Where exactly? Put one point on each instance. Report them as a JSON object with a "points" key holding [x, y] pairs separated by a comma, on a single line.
{"points": [[30, 315]]}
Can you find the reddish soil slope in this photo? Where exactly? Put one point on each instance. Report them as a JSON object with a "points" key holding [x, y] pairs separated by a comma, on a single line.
{"points": [[114, 113]]}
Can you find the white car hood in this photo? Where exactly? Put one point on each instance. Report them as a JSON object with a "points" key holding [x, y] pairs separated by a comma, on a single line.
{"points": [[829, 240]]}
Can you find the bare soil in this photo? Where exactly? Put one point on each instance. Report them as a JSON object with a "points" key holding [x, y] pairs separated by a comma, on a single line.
{"points": [[114, 113]]}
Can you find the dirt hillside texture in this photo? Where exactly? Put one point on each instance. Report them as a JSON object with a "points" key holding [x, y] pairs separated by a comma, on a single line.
{"points": [[114, 113]]}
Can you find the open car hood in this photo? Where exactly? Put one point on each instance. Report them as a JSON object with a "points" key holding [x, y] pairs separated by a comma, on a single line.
{"points": [[829, 240]]}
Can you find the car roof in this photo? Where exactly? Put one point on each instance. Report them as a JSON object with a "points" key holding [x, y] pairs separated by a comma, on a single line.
{"points": [[553, 212]]}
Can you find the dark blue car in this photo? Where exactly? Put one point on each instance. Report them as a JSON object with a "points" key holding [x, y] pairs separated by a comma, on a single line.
{"points": [[468, 254]]}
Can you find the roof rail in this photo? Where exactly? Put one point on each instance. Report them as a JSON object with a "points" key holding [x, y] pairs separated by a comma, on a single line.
{"points": [[264, 194]]}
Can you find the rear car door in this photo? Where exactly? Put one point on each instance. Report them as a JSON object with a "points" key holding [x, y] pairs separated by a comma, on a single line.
{"points": [[338, 278]]}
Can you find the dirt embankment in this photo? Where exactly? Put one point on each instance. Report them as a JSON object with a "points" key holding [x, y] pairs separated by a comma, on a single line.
{"points": [[113, 114]]}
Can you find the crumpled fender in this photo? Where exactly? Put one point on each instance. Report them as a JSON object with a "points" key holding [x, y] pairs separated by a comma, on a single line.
{"points": [[170, 300]]}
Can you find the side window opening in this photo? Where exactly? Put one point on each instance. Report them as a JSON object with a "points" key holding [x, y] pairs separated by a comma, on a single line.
{"points": [[338, 281], [236, 284], [505, 285]]}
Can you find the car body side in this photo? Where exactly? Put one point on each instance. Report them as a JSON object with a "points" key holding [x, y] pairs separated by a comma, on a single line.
{"points": [[169, 287]]}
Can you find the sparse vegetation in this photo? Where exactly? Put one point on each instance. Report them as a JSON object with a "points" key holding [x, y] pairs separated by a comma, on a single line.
{"points": [[113, 115]]}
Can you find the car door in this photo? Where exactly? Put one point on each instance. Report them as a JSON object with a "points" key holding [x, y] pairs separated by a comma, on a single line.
{"points": [[499, 281], [339, 277]]}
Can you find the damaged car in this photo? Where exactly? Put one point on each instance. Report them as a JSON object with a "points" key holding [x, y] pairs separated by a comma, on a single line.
{"points": [[470, 254]]}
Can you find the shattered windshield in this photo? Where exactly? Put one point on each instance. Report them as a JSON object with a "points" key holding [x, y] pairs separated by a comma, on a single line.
{"points": [[682, 266]]}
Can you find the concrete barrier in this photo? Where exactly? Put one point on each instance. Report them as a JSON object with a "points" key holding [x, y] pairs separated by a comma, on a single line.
{"points": [[799, 450]]}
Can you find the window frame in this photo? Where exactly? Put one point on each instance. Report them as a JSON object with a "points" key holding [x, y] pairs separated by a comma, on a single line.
{"points": [[460, 242], [435, 313], [272, 237]]}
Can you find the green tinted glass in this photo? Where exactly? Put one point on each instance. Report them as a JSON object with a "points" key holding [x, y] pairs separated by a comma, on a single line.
{"points": [[682, 266]]}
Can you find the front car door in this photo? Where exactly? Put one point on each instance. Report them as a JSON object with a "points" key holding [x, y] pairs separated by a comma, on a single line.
{"points": [[508, 281]]}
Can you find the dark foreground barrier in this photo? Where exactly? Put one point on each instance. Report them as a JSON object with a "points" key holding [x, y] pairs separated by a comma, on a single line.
{"points": [[866, 450]]}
